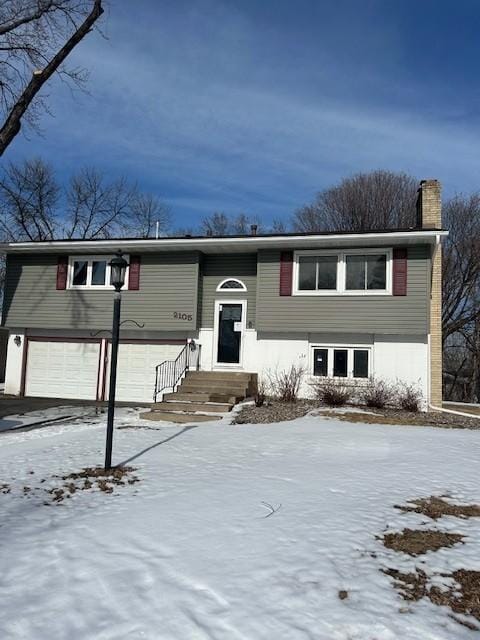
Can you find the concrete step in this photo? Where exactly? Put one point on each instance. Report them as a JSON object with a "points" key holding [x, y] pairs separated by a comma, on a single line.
{"points": [[216, 392], [197, 396], [217, 386], [221, 375], [171, 416], [204, 407]]}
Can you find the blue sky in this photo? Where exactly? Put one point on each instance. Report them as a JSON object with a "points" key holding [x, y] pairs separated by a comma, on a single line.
{"points": [[254, 106]]}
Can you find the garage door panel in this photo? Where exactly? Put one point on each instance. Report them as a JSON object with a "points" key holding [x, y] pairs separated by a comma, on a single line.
{"points": [[136, 369], [62, 369]]}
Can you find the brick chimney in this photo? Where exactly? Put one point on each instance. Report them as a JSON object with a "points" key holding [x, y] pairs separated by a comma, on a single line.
{"points": [[429, 205], [429, 216]]}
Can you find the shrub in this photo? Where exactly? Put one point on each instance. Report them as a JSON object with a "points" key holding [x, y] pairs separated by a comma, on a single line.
{"points": [[285, 384], [409, 397], [377, 393], [333, 393], [261, 392]]}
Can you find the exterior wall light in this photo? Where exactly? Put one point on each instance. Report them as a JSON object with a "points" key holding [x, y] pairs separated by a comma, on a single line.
{"points": [[17, 340]]}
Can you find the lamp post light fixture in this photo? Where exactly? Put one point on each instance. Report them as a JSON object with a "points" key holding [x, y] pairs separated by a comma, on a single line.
{"points": [[118, 268]]}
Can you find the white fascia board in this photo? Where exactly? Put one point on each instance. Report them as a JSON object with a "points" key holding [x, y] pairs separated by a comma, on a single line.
{"points": [[226, 244]]}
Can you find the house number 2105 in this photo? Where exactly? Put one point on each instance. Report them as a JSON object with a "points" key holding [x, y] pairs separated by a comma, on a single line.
{"points": [[182, 316]]}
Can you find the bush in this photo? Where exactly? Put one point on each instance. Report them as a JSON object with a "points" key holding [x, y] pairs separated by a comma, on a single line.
{"points": [[261, 392], [409, 397], [285, 384], [377, 393], [333, 393]]}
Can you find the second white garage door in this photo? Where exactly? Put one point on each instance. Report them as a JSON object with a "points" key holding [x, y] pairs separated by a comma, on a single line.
{"points": [[136, 369], [62, 369]]}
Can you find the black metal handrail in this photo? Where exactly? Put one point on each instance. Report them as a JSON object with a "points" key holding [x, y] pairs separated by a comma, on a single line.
{"points": [[169, 372]]}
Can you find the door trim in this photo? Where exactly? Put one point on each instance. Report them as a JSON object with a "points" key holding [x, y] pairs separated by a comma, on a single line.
{"points": [[228, 365]]}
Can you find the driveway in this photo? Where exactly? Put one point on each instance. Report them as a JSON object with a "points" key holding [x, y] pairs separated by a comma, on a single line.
{"points": [[16, 405], [29, 412]]}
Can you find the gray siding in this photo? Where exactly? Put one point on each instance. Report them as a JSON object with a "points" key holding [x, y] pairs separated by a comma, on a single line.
{"points": [[168, 284], [365, 314], [216, 268]]}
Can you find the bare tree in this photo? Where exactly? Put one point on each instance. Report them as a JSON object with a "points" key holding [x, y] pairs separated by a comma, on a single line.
{"points": [[366, 201], [149, 215], [97, 208], [461, 298], [222, 224], [29, 197], [218, 224], [36, 38], [33, 207], [278, 226], [461, 264]]}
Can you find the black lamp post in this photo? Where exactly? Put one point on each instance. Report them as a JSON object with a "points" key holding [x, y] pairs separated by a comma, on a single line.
{"points": [[118, 268]]}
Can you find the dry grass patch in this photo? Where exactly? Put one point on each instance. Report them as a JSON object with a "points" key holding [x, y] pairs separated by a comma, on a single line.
{"points": [[411, 586], [435, 507], [5, 488], [395, 417], [416, 542], [90, 477], [462, 599]]}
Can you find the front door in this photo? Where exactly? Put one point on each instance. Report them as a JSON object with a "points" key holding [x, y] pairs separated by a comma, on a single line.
{"points": [[230, 329]]}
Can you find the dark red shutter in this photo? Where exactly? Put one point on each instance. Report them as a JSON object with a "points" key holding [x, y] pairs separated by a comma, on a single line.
{"points": [[399, 272], [134, 273], [286, 273], [62, 272]]}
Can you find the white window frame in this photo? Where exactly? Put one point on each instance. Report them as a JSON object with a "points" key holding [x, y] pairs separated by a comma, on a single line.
{"points": [[342, 272], [89, 259], [243, 287], [350, 349]]}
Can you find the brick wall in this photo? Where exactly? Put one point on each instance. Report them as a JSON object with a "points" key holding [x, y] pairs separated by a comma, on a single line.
{"points": [[430, 217]]}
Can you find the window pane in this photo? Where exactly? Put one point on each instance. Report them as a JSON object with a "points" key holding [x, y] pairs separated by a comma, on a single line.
{"points": [[327, 272], [231, 284], [340, 363], [320, 362], [99, 270], [360, 363], [80, 272], [377, 272], [355, 272], [307, 270]]}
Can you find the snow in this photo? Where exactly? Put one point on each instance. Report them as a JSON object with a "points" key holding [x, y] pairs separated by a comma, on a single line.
{"points": [[188, 553], [40, 416]]}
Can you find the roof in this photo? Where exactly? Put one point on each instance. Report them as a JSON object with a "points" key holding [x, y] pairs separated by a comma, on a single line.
{"points": [[239, 243]]}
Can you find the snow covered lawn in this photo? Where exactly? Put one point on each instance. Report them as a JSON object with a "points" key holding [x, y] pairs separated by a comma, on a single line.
{"points": [[187, 553]]}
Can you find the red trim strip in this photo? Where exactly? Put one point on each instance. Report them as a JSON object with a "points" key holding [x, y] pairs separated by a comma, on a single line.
{"points": [[399, 271], [62, 272], [134, 273], [286, 273]]}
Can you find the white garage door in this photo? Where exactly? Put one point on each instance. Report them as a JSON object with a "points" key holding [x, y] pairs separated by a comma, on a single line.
{"points": [[62, 369], [136, 369]]}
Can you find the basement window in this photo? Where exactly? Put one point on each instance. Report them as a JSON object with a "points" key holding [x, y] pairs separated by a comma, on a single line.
{"points": [[341, 362]]}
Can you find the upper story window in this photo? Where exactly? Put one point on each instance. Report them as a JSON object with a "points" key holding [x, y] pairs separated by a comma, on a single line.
{"points": [[349, 272], [231, 284], [89, 272]]}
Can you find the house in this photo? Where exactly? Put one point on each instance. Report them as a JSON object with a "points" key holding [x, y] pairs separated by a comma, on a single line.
{"points": [[349, 305]]}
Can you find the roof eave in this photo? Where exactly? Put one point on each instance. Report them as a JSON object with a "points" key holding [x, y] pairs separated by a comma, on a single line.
{"points": [[229, 243]]}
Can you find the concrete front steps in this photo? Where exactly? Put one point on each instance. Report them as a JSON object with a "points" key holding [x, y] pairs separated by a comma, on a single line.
{"points": [[203, 395]]}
